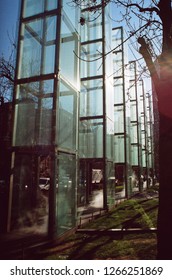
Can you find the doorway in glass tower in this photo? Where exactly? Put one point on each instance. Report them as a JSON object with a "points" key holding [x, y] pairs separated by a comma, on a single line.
{"points": [[90, 187]]}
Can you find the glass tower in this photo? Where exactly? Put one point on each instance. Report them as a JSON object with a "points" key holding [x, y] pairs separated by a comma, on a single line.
{"points": [[96, 109], [121, 114], [45, 135]]}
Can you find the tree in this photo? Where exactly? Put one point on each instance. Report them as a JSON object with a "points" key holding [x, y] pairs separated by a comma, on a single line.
{"points": [[151, 24], [7, 72], [158, 15]]}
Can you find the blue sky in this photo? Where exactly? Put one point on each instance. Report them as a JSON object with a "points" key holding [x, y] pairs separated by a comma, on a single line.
{"points": [[9, 11]]}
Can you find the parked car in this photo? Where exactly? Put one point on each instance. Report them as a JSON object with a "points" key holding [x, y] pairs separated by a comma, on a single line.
{"points": [[44, 183]]}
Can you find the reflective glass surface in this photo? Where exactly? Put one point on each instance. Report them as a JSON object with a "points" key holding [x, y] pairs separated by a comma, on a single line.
{"points": [[68, 53], [91, 138], [72, 11], [37, 47], [91, 98], [67, 117], [29, 201], [134, 155], [66, 192], [33, 113], [133, 112], [109, 98], [92, 29], [134, 136], [32, 7], [92, 59], [119, 149], [119, 119], [118, 91], [109, 138]]}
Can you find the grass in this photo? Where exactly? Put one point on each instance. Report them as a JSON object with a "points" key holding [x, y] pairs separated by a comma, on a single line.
{"points": [[118, 188], [132, 214]]}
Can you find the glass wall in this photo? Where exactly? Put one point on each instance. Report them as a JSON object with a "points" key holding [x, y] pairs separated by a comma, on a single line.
{"points": [[91, 98], [91, 53], [37, 47], [69, 48], [67, 117], [34, 99], [91, 138]]}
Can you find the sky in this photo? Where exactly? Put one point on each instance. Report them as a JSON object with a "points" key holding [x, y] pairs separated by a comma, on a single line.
{"points": [[9, 13]]}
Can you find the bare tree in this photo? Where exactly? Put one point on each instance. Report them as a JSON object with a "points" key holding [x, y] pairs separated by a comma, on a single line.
{"points": [[6, 79], [151, 24], [7, 72]]}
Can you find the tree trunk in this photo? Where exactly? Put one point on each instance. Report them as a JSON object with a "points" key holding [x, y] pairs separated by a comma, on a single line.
{"points": [[164, 237]]}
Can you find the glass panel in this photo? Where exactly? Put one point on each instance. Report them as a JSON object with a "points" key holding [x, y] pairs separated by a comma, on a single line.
{"points": [[150, 160], [51, 4], [32, 7], [119, 151], [143, 139], [144, 158], [30, 53], [110, 184], [67, 118], [66, 194], [34, 113], [25, 130], [37, 47], [118, 92], [92, 29], [109, 138], [50, 32], [119, 119], [120, 170], [128, 149], [116, 39], [90, 191], [134, 155], [68, 51], [45, 123], [49, 47], [81, 188], [133, 112], [91, 98], [132, 70], [134, 136], [109, 98], [49, 59], [108, 28], [91, 53], [132, 90], [72, 11], [91, 138], [117, 64], [29, 201]]}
